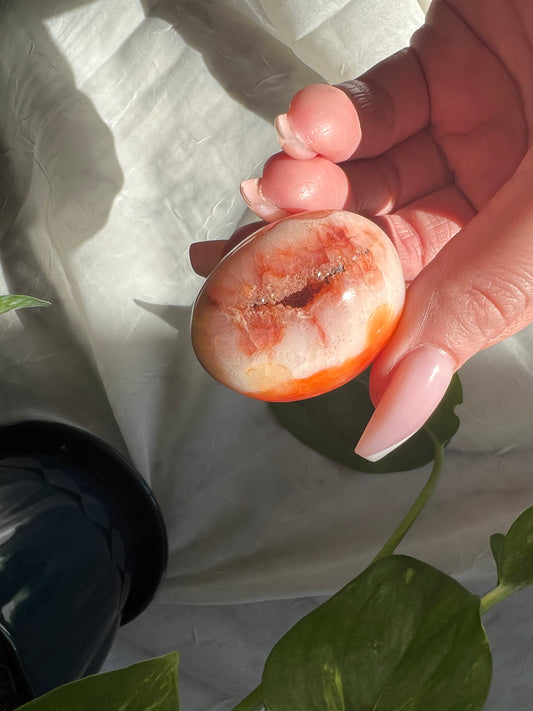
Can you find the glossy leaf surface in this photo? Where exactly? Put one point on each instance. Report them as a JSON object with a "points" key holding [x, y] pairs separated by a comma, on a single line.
{"points": [[148, 686], [332, 423], [402, 636]]}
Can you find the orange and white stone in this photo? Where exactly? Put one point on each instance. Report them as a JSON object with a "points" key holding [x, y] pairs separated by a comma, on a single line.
{"points": [[300, 307]]}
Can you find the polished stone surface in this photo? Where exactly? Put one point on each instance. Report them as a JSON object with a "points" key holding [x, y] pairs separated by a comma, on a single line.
{"points": [[300, 307]]}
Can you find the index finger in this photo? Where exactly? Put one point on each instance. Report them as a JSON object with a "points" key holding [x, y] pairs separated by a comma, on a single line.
{"points": [[385, 105]]}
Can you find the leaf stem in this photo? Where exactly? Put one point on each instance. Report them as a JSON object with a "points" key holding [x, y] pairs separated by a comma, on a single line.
{"points": [[495, 596], [253, 702], [421, 500]]}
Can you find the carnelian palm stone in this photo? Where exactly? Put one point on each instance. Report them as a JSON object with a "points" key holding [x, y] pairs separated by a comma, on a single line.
{"points": [[300, 307]]}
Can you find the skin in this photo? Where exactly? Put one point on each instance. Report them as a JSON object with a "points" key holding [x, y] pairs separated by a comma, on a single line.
{"points": [[434, 145]]}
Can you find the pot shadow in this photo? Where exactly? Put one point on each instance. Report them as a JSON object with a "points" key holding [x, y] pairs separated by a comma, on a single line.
{"points": [[50, 127], [252, 66], [59, 176]]}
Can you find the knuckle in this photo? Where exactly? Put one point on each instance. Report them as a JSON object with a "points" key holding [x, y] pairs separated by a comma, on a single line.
{"points": [[499, 305]]}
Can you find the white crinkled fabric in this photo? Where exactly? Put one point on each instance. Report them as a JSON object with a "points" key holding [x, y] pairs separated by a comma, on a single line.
{"points": [[125, 130]]}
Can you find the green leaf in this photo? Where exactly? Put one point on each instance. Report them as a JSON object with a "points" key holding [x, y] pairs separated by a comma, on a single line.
{"points": [[253, 702], [332, 423], [148, 686], [515, 567], [513, 554], [402, 636], [496, 547], [19, 301]]}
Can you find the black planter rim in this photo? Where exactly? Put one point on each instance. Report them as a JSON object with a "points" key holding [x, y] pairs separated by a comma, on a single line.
{"points": [[138, 504]]}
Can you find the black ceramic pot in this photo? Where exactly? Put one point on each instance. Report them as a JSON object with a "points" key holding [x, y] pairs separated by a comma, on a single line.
{"points": [[83, 549]]}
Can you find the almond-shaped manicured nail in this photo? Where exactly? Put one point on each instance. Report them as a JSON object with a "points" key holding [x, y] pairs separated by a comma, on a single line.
{"points": [[252, 196], [204, 256], [289, 141], [417, 385]]}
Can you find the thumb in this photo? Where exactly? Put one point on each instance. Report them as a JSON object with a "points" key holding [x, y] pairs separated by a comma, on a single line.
{"points": [[477, 291]]}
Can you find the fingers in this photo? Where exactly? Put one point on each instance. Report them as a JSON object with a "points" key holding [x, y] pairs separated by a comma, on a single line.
{"points": [[289, 186], [321, 120], [392, 102], [421, 229], [363, 117], [380, 115], [477, 291], [409, 170]]}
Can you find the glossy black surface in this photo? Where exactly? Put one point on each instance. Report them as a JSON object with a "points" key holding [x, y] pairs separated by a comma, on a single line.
{"points": [[82, 549]]}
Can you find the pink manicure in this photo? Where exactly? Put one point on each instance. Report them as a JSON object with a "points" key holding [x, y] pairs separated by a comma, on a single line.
{"points": [[289, 141], [204, 256], [417, 385]]}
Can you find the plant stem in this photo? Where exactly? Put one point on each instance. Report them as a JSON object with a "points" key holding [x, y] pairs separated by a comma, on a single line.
{"points": [[421, 500], [494, 597], [253, 702]]}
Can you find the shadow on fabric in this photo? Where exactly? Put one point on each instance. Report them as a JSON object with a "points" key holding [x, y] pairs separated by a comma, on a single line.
{"points": [[255, 69], [59, 176]]}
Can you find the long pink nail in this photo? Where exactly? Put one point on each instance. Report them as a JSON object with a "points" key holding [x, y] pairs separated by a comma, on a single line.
{"points": [[204, 256], [252, 196], [417, 385], [289, 141]]}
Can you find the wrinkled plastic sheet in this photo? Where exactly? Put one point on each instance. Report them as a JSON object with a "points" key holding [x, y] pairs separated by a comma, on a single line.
{"points": [[125, 130]]}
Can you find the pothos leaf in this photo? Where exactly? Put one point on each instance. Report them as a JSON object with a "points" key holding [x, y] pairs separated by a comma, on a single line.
{"points": [[151, 684], [332, 423], [9, 302], [514, 552], [402, 636]]}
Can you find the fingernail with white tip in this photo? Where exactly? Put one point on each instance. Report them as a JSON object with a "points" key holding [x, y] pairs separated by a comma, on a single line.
{"points": [[252, 196], [289, 141], [417, 385]]}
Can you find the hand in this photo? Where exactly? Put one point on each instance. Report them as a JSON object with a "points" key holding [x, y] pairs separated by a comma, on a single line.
{"points": [[433, 144]]}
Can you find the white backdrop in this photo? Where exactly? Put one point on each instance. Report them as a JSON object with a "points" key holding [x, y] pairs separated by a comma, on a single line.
{"points": [[126, 127]]}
